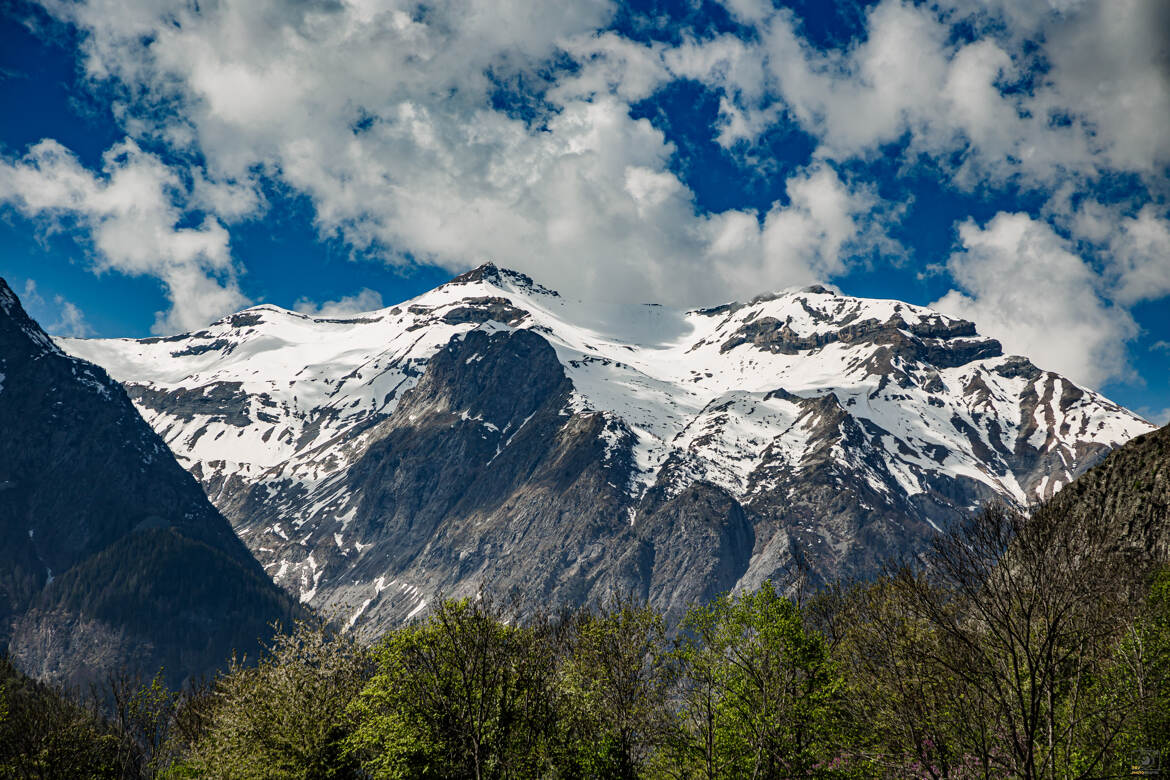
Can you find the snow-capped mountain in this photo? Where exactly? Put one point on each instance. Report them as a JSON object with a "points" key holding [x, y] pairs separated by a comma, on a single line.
{"points": [[493, 430]]}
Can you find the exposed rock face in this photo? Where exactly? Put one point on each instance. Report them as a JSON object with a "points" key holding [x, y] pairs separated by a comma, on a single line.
{"points": [[494, 432], [934, 340], [110, 554]]}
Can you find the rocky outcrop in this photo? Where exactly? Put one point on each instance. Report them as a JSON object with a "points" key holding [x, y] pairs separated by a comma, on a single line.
{"points": [[940, 342], [485, 477]]}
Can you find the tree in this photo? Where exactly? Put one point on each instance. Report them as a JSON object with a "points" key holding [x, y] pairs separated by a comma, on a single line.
{"points": [[760, 695], [1140, 678], [286, 717], [614, 683], [901, 703], [463, 694], [45, 735], [141, 714], [1025, 614], [1151, 639]]}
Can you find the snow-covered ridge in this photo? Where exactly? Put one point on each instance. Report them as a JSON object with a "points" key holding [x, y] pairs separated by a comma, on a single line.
{"points": [[260, 387], [914, 409]]}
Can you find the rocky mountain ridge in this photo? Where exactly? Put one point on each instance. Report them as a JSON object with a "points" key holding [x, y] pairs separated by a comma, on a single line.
{"points": [[112, 558], [493, 430]]}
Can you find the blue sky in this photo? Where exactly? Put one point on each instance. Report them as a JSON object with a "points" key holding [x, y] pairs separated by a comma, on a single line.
{"points": [[162, 164]]}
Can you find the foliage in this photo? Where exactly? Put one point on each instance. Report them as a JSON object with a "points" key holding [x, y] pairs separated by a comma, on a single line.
{"points": [[760, 696], [463, 694], [614, 683], [1021, 648], [899, 702], [1140, 675], [1025, 613], [285, 717], [45, 734]]}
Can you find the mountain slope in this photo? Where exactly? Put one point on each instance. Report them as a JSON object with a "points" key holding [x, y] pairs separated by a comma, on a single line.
{"points": [[495, 430], [1130, 492], [111, 555]]}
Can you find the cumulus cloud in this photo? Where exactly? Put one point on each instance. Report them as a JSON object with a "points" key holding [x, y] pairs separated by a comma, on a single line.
{"points": [[1139, 257], [805, 241], [384, 116], [1021, 283], [457, 131], [133, 224], [1131, 245], [363, 300], [1107, 68], [975, 107]]}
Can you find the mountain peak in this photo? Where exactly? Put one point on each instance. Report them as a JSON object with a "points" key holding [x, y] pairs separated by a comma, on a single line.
{"points": [[7, 297], [504, 278], [112, 553]]}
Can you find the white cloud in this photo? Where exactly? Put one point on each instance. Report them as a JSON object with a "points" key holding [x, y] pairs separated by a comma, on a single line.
{"points": [[363, 300], [1109, 67], [71, 322], [129, 214], [31, 296], [1100, 105], [1131, 247], [611, 64], [1021, 283], [381, 114], [1139, 250], [803, 242]]}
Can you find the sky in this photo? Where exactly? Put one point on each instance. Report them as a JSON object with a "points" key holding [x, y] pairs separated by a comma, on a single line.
{"points": [[166, 162]]}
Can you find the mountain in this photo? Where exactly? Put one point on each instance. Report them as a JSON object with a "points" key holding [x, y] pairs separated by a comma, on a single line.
{"points": [[111, 555], [1129, 492], [495, 431]]}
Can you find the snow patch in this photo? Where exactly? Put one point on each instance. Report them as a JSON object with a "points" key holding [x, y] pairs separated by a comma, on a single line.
{"points": [[354, 617]]}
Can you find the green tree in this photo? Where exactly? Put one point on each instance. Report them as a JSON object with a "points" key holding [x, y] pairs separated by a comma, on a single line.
{"points": [[901, 703], [464, 694], [286, 717], [614, 686], [1025, 613], [760, 695], [1152, 677], [45, 735], [1139, 680]]}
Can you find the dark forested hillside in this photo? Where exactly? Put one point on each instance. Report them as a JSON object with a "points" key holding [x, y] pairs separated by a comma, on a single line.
{"points": [[110, 555]]}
